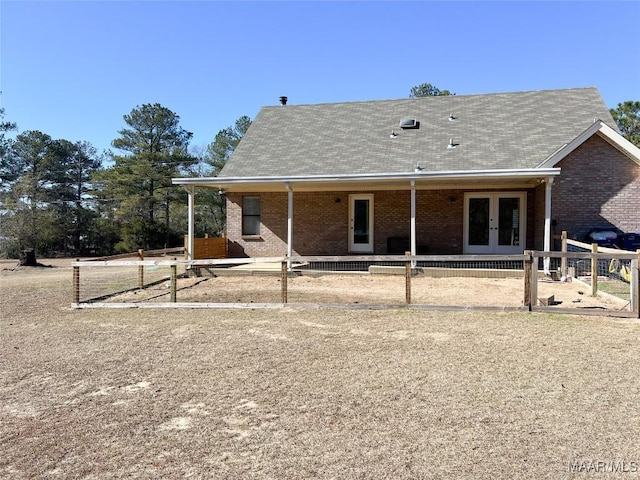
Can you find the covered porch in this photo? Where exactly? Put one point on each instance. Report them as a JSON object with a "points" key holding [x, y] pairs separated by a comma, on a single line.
{"points": [[469, 212]]}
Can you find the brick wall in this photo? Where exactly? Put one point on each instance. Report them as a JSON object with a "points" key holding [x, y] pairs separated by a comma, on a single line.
{"points": [[535, 224], [321, 222], [598, 186], [439, 221], [272, 240]]}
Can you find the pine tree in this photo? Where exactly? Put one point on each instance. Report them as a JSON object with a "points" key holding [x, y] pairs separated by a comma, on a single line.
{"points": [[139, 182]]}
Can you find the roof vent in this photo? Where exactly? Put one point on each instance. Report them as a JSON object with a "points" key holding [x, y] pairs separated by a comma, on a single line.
{"points": [[393, 134], [452, 144], [408, 123], [452, 118], [283, 100]]}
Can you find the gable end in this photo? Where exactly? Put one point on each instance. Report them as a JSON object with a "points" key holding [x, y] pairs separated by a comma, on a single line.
{"points": [[603, 131]]}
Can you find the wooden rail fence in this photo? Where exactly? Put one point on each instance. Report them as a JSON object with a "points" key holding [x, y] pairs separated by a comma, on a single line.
{"points": [[530, 272]]}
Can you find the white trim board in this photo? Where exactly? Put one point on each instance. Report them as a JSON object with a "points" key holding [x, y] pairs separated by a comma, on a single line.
{"points": [[605, 132]]}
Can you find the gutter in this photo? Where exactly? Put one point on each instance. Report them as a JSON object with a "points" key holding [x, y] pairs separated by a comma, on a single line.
{"points": [[368, 177]]}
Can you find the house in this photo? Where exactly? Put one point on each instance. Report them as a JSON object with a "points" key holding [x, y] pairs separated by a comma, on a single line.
{"points": [[472, 174]]}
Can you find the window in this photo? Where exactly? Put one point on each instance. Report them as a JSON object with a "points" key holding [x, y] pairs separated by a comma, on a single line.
{"points": [[250, 215]]}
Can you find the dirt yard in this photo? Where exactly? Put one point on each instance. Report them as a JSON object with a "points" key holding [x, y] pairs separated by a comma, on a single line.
{"points": [[340, 289], [299, 394], [379, 289]]}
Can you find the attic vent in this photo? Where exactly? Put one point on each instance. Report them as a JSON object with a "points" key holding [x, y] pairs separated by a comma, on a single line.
{"points": [[408, 123]]}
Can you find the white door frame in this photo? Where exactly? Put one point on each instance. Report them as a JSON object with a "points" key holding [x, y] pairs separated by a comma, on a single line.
{"points": [[493, 247], [360, 247]]}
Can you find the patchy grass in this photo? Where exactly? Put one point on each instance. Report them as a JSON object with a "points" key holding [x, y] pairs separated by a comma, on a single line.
{"points": [[307, 394], [617, 288]]}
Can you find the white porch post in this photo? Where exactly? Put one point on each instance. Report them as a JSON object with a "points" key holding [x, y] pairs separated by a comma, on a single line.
{"points": [[547, 223], [191, 223], [413, 220], [289, 222]]}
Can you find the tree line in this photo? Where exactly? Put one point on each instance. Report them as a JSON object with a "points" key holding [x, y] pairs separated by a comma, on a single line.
{"points": [[59, 197]]}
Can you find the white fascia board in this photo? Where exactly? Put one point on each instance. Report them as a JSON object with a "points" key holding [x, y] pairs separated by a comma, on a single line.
{"points": [[367, 177], [602, 129], [620, 142]]}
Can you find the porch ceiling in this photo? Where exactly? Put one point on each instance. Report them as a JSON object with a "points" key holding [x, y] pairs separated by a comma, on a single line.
{"points": [[368, 182]]}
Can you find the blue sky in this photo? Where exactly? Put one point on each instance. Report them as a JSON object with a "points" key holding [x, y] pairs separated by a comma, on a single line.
{"points": [[73, 69]]}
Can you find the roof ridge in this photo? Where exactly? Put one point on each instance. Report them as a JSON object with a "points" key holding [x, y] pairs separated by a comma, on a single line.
{"points": [[497, 130], [383, 100]]}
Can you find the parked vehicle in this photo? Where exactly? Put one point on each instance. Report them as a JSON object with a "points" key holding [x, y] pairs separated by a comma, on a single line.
{"points": [[629, 241], [604, 236], [613, 238]]}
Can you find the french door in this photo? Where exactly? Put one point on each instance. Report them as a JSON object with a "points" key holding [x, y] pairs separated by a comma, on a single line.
{"points": [[494, 223], [361, 223]]}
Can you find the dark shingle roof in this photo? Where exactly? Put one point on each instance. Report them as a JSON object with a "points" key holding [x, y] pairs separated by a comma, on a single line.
{"points": [[493, 131]]}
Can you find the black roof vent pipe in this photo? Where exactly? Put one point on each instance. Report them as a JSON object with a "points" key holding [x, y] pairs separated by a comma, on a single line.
{"points": [[283, 100]]}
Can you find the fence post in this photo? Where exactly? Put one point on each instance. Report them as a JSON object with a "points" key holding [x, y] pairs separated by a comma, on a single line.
{"points": [[563, 249], [140, 269], [527, 279], [284, 270], [407, 278], [76, 283], [594, 270], [534, 280], [174, 279]]}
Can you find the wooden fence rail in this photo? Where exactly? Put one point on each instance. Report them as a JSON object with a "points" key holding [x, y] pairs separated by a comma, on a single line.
{"points": [[145, 253], [530, 274]]}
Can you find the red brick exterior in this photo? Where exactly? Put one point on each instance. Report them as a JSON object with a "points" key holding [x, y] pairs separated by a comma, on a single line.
{"points": [[321, 223], [598, 186], [535, 224]]}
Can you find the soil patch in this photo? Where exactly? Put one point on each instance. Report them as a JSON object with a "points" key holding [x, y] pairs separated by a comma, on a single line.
{"points": [[372, 289]]}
